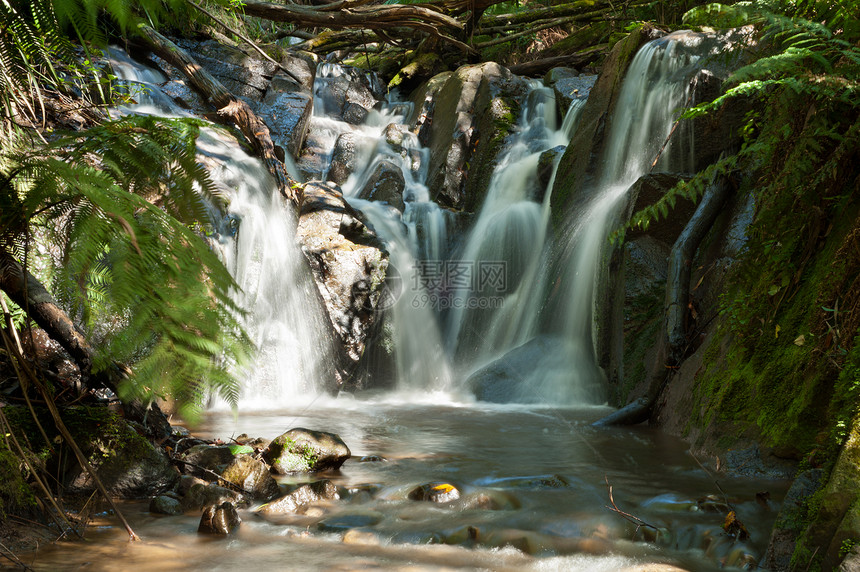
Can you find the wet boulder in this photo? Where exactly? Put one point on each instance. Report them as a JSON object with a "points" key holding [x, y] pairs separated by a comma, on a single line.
{"points": [[306, 451], [164, 504], [203, 495], [349, 93], [252, 476], [385, 184], [471, 115], [539, 371], [287, 112], [568, 86], [303, 496], [348, 264], [219, 519], [204, 460], [243, 75], [344, 157]]}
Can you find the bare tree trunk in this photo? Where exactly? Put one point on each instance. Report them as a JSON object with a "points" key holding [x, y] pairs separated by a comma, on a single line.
{"points": [[230, 107]]}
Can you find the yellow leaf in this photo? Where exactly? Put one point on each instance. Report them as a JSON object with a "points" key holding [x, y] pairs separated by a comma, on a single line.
{"points": [[776, 331]]}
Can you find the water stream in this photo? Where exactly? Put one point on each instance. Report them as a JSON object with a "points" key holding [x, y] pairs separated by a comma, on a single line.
{"points": [[533, 478]]}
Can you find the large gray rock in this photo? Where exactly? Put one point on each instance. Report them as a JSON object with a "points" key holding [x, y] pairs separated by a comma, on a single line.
{"points": [[350, 93], [470, 116], [385, 184], [287, 112], [303, 496], [348, 264], [306, 451], [243, 75], [568, 86], [344, 158], [545, 369], [128, 465], [252, 476]]}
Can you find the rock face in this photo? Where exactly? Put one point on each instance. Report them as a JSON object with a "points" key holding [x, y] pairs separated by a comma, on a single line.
{"points": [[253, 476], [348, 264], [220, 519], [581, 159], [285, 105], [200, 496], [306, 451], [470, 114], [350, 95], [203, 458], [385, 184]]}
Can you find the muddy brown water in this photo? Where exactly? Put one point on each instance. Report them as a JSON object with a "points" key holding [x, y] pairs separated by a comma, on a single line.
{"points": [[544, 469]]}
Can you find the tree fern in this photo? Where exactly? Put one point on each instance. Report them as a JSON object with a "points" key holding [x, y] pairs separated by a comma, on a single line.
{"points": [[128, 263], [814, 60]]}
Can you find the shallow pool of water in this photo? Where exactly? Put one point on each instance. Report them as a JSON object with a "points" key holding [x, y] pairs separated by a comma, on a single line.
{"points": [[544, 470]]}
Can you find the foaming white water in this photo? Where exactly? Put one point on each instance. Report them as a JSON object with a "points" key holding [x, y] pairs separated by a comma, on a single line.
{"points": [[255, 238]]}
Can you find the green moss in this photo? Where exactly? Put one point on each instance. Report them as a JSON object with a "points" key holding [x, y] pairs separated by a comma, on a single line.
{"points": [[15, 494]]}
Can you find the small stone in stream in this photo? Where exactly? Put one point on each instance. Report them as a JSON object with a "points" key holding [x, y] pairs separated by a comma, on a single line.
{"points": [[435, 492], [188, 481], [252, 476], [344, 522], [219, 519], [164, 504], [302, 496], [464, 535], [372, 459], [489, 500], [712, 503], [200, 496], [305, 451], [362, 537]]}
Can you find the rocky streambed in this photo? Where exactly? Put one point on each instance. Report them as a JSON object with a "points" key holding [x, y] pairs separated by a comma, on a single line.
{"points": [[450, 485]]}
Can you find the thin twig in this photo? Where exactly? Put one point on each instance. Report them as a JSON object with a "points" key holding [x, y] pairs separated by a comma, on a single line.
{"points": [[625, 515], [11, 556]]}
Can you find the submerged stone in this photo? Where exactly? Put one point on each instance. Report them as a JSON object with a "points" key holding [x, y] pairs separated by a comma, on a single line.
{"points": [[164, 504], [344, 522], [302, 496]]}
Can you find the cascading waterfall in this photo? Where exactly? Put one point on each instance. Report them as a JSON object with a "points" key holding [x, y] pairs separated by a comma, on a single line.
{"points": [[654, 91], [256, 240], [508, 237]]}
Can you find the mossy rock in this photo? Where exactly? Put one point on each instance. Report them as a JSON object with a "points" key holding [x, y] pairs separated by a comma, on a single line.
{"points": [[305, 451], [578, 165], [16, 497], [421, 68]]}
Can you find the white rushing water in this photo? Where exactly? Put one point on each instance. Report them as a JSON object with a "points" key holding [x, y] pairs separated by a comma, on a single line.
{"points": [[256, 240], [654, 92]]}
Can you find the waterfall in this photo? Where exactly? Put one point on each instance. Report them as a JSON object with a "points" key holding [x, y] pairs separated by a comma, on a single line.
{"points": [[655, 90], [256, 241], [487, 319]]}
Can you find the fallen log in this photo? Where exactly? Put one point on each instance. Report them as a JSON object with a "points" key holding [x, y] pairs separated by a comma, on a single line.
{"points": [[384, 17], [541, 66], [229, 107]]}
